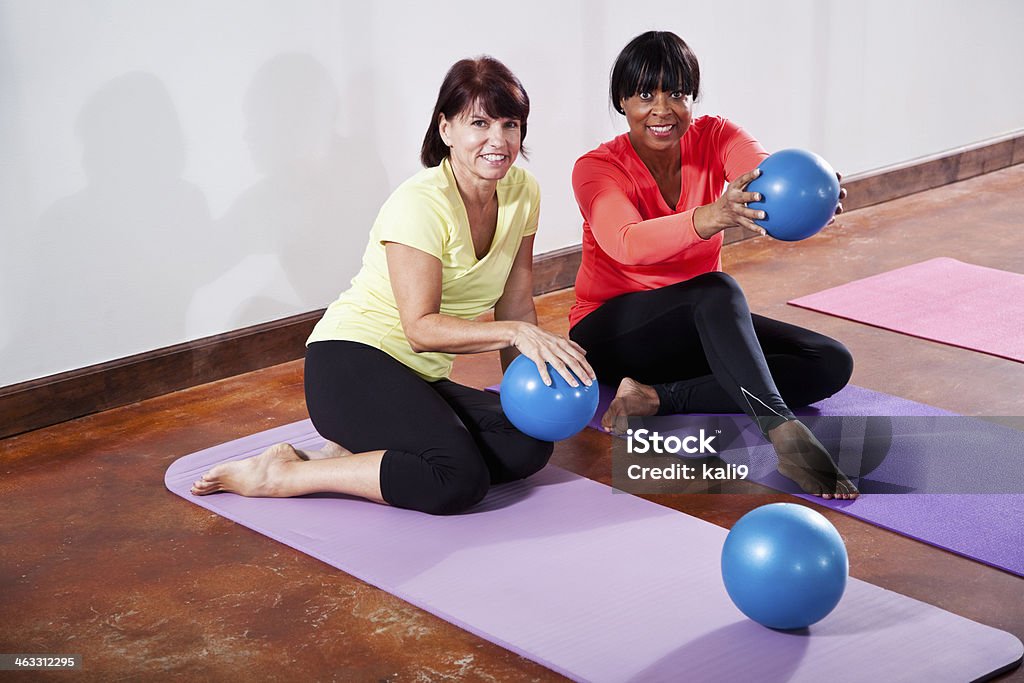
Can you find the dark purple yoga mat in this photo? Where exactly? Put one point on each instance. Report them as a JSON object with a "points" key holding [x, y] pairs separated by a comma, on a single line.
{"points": [[988, 528], [599, 586]]}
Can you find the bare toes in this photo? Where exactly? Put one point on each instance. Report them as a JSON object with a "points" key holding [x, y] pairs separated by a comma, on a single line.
{"points": [[201, 488]]}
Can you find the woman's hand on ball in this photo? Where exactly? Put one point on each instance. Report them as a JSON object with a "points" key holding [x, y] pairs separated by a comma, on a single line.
{"points": [[842, 196], [566, 356], [731, 209]]}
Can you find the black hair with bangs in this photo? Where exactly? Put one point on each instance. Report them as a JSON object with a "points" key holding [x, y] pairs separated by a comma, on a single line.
{"points": [[656, 60], [481, 82]]}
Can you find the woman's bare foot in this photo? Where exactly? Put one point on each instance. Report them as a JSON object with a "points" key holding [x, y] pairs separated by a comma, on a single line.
{"points": [[632, 399], [264, 475], [330, 450], [803, 459]]}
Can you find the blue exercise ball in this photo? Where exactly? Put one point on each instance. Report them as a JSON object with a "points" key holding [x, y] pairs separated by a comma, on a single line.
{"points": [[548, 413], [800, 193], [784, 566]]}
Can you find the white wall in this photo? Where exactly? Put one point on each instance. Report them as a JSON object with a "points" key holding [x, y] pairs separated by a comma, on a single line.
{"points": [[171, 170]]}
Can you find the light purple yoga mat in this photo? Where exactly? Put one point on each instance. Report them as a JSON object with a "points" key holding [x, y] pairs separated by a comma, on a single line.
{"points": [[600, 586], [943, 300]]}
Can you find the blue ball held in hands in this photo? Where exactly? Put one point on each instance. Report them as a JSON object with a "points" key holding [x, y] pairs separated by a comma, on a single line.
{"points": [[800, 193], [548, 413], [784, 566]]}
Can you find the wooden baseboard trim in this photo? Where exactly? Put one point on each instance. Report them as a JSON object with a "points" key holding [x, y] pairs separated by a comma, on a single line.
{"points": [[50, 400], [926, 173], [556, 270]]}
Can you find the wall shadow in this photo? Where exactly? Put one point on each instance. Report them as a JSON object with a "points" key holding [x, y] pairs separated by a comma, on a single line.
{"points": [[113, 265], [297, 235]]}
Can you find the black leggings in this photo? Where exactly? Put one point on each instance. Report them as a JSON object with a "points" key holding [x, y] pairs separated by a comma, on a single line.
{"points": [[445, 443], [699, 346]]}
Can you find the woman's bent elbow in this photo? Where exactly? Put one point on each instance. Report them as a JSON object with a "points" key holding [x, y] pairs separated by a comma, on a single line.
{"points": [[417, 341]]}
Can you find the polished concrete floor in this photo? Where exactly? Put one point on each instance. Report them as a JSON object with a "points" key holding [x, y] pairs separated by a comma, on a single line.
{"points": [[100, 560]]}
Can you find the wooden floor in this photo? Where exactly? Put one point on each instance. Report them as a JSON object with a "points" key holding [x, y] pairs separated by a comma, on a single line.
{"points": [[100, 560]]}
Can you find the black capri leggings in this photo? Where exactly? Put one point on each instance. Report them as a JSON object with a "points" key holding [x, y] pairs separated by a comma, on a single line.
{"points": [[445, 443], [697, 343]]}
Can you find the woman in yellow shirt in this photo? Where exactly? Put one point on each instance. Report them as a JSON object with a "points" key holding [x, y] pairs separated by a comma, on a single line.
{"points": [[450, 243]]}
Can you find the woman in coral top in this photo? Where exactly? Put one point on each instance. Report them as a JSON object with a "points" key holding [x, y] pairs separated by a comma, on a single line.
{"points": [[653, 309]]}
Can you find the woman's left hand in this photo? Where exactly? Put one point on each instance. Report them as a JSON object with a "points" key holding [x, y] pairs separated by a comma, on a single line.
{"points": [[842, 196]]}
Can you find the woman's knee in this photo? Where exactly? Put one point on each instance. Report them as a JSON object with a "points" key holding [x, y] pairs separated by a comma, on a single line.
{"points": [[531, 456], [717, 289], [456, 489], [836, 363], [442, 480]]}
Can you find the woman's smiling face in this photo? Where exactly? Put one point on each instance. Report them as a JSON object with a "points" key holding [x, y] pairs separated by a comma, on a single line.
{"points": [[482, 146], [657, 119]]}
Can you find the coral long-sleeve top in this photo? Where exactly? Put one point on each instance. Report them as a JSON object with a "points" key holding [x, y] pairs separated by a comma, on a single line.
{"points": [[632, 239]]}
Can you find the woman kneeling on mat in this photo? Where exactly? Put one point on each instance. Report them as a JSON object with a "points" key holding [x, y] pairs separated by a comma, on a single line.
{"points": [[653, 309], [450, 243]]}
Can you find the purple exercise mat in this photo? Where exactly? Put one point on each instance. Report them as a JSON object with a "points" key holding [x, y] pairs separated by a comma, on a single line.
{"points": [[988, 528], [599, 586]]}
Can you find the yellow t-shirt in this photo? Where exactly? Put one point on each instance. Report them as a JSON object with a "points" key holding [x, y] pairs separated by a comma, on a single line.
{"points": [[426, 212]]}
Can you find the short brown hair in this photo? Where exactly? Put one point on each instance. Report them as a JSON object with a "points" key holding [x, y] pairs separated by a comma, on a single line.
{"points": [[482, 81]]}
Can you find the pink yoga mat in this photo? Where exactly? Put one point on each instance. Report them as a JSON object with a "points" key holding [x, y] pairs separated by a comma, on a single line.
{"points": [[600, 586], [942, 300]]}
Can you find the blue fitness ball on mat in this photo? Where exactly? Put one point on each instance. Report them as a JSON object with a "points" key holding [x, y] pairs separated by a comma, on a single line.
{"points": [[800, 193], [548, 413], [784, 566]]}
